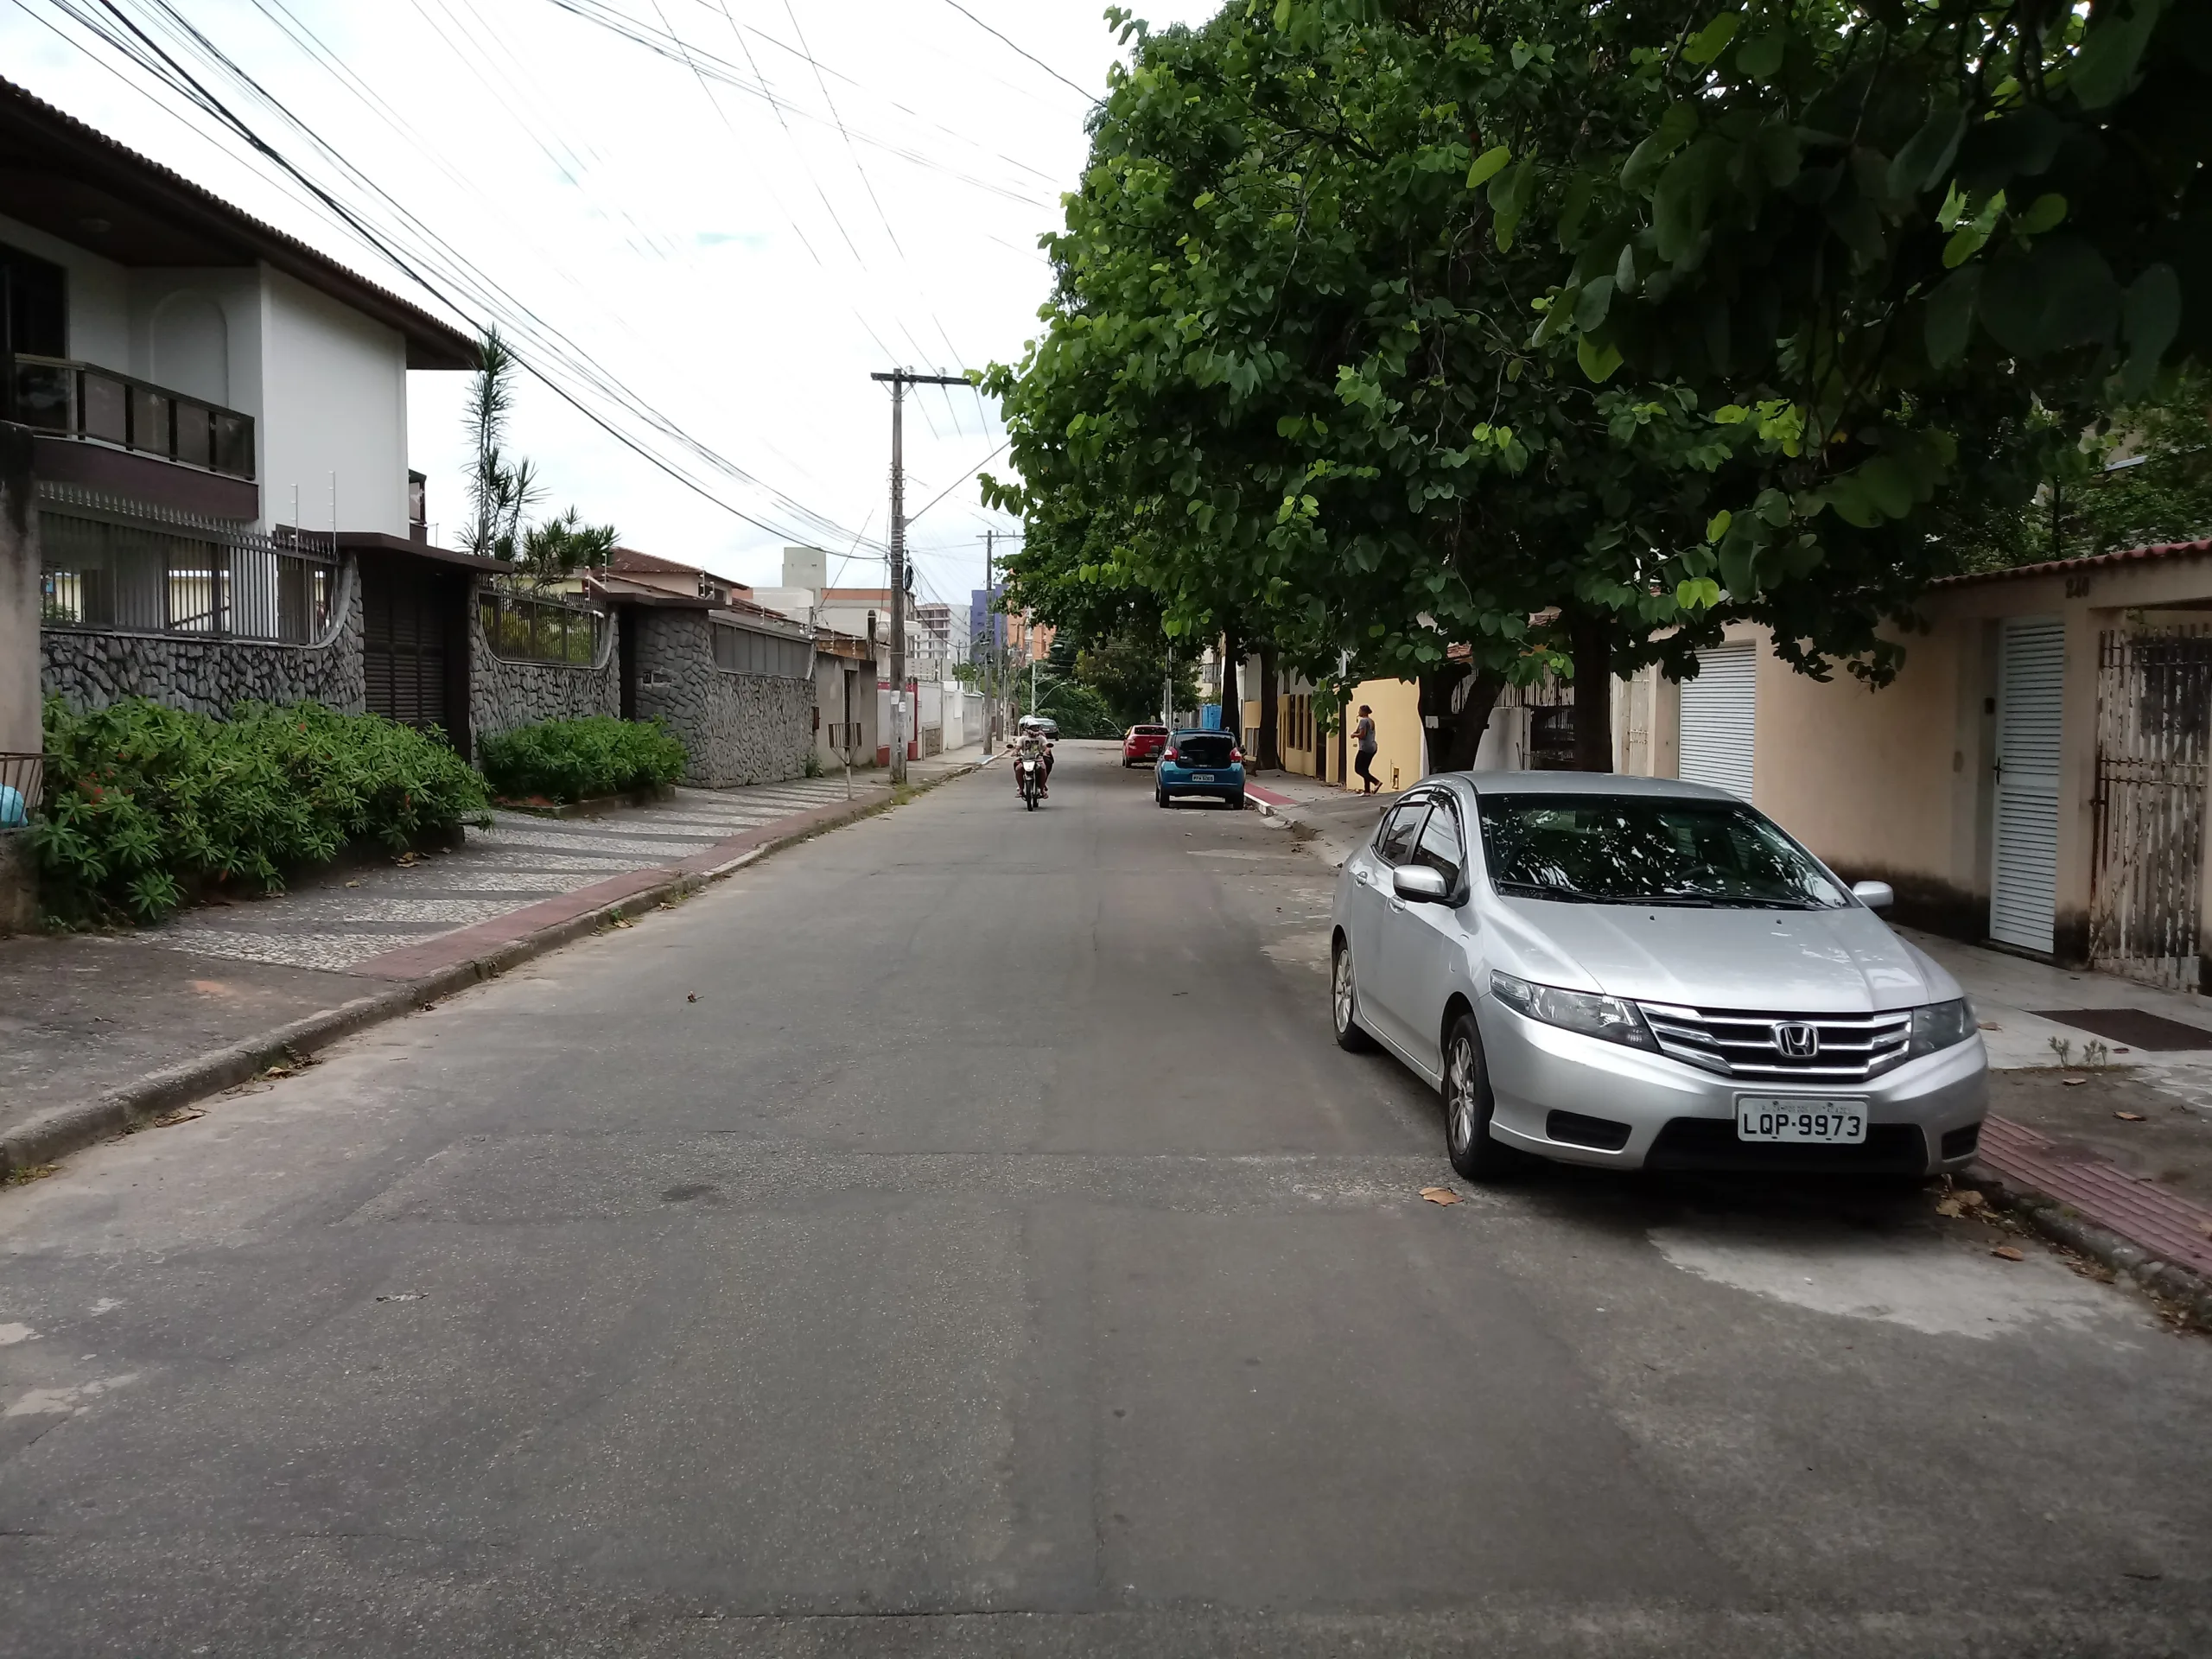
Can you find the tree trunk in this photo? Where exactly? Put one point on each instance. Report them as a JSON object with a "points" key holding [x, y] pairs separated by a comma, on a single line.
{"points": [[1456, 737], [1592, 638], [1232, 701], [1270, 745]]}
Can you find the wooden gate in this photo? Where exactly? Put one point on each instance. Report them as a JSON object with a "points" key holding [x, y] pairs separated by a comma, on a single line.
{"points": [[2154, 705]]}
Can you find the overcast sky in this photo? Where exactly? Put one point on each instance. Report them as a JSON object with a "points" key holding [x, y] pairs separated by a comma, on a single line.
{"points": [[737, 229]]}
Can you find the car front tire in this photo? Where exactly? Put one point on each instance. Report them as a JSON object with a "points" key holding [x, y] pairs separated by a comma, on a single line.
{"points": [[1161, 794], [1468, 1107], [1344, 1005]]}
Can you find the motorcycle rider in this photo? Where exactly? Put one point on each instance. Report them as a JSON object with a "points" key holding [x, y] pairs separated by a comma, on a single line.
{"points": [[1032, 746]]}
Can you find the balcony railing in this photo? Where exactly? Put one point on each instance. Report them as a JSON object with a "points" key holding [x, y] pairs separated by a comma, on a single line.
{"points": [[81, 400]]}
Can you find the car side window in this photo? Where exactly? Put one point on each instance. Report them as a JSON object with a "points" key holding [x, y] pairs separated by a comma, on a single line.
{"points": [[1439, 846], [1394, 842]]}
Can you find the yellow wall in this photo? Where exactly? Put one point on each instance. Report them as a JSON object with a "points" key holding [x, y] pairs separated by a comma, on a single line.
{"points": [[1880, 783]]}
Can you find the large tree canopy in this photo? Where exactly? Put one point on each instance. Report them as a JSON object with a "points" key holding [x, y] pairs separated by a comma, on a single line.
{"points": [[1386, 327]]}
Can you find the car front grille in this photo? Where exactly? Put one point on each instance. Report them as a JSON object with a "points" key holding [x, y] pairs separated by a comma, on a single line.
{"points": [[1847, 1047]]}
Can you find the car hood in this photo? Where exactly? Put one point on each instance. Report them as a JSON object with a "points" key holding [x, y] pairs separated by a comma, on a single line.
{"points": [[1792, 961]]}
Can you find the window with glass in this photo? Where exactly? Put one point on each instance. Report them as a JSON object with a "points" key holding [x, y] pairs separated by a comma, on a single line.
{"points": [[1649, 849]]}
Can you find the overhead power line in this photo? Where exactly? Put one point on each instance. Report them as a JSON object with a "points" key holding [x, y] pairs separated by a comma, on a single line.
{"points": [[130, 40], [1088, 97]]}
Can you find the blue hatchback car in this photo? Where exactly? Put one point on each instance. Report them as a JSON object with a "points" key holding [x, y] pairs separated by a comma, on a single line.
{"points": [[1201, 764]]}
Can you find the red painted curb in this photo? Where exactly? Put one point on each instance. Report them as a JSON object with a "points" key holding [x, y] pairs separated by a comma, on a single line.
{"points": [[1255, 792], [2141, 1211]]}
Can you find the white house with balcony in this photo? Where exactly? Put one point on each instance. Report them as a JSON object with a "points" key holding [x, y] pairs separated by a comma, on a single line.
{"points": [[219, 421]]}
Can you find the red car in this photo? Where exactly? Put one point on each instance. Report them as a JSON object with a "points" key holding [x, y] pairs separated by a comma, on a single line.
{"points": [[1143, 744]]}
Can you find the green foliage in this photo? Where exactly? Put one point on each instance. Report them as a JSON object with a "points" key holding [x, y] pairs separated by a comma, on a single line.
{"points": [[553, 547], [2144, 478], [1949, 236], [1078, 708], [1129, 672], [1295, 382], [145, 804], [565, 760]]}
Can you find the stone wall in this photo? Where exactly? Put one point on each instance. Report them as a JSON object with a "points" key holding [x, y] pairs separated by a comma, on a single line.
{"points": [[504, 693], [740, 728], [91, 668]]}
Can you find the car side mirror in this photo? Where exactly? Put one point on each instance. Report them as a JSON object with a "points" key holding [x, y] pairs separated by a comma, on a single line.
{"points": [[1419, 885], [1875, 895]]}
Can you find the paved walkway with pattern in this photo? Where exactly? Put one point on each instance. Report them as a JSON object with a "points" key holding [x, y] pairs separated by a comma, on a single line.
{"points": [[342, 922]]}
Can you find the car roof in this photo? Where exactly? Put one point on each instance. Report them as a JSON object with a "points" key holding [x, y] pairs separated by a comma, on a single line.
{"points": [[1584, 783]]}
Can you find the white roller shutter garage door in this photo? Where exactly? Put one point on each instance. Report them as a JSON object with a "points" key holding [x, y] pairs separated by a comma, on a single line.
{"points": [[2031, 687], [1718, 713]]}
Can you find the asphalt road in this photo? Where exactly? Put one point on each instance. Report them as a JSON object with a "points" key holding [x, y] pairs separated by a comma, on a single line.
{"points": [[997, 1257]]}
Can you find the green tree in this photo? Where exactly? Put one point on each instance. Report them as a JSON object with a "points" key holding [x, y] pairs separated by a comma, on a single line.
{"points": [[1945, 238], [1288, 383], [554, 548], [501, 488]]}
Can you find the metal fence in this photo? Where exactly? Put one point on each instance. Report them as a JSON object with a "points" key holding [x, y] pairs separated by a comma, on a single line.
{"points": [[110, 563], [21, 778], [532, 628], [746, 650], [2154, 703]]}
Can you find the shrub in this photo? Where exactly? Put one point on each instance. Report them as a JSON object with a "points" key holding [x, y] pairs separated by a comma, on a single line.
{"points": [[143, 804], [577, 760]]}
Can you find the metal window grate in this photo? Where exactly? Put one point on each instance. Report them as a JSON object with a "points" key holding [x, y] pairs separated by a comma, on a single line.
{"points": [[107, 562]]}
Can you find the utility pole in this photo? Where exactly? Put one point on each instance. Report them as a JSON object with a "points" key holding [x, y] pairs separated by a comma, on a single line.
{"points": [[899, 380]]}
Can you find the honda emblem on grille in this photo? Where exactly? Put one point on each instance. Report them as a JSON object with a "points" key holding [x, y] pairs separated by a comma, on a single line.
{"points": [[1797, 1040]]}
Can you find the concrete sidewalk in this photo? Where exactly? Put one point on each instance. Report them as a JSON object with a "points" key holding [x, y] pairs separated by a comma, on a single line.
{"points": [[100, 1030]]}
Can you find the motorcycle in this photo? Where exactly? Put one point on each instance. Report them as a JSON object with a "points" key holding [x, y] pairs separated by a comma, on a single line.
{"points": [[1029, 778]]}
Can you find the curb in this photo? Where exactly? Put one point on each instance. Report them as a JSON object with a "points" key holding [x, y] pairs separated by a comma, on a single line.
{"points": [[2191, 1293], [54, 1134]]}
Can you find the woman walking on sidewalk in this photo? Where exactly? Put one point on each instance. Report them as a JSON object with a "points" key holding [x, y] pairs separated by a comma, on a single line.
{"points": [[1364, 734]]}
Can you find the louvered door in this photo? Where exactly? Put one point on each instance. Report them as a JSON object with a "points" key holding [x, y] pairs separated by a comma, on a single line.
{"points": [[404, 617], [2030, 695], [1720, 720]]}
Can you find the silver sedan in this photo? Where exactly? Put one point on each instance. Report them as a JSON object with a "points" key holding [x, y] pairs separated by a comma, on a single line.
{"points": [[1639, 972]]}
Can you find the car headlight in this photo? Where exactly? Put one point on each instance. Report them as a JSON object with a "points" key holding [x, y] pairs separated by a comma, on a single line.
{"points": [[1937, 1026], [1605, 1017]]}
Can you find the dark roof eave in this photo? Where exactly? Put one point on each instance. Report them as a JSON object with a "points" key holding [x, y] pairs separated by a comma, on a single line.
{"points": [[122, 172]]}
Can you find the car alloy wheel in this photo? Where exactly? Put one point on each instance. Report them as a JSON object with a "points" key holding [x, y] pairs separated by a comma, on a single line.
{"points": [[1468, 1106], [1344, 1005]]}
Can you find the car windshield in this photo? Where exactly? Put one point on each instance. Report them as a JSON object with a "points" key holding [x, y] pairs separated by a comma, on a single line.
{"points": [[1642, 850]]}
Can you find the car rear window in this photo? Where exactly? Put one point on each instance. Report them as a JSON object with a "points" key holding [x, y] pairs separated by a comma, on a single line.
{"points": [[1152, 731], [1204, 749]]}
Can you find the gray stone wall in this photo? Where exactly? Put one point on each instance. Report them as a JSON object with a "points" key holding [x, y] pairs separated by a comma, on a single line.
{"points": [[740, 728], [91, 668], [504, 693]]}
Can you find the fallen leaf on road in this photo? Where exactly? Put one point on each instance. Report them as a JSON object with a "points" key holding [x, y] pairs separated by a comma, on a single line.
{"points": [[1986, 1026], [278, 1071], [182, 1115], [2074, 1082], [2205, 1228], [2129, 1117], [1439, 1195], [354, 883], [693, 997], [404, 1296], [407, 860], [2009, 1253], [1951, 1207], [623, 921]]}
